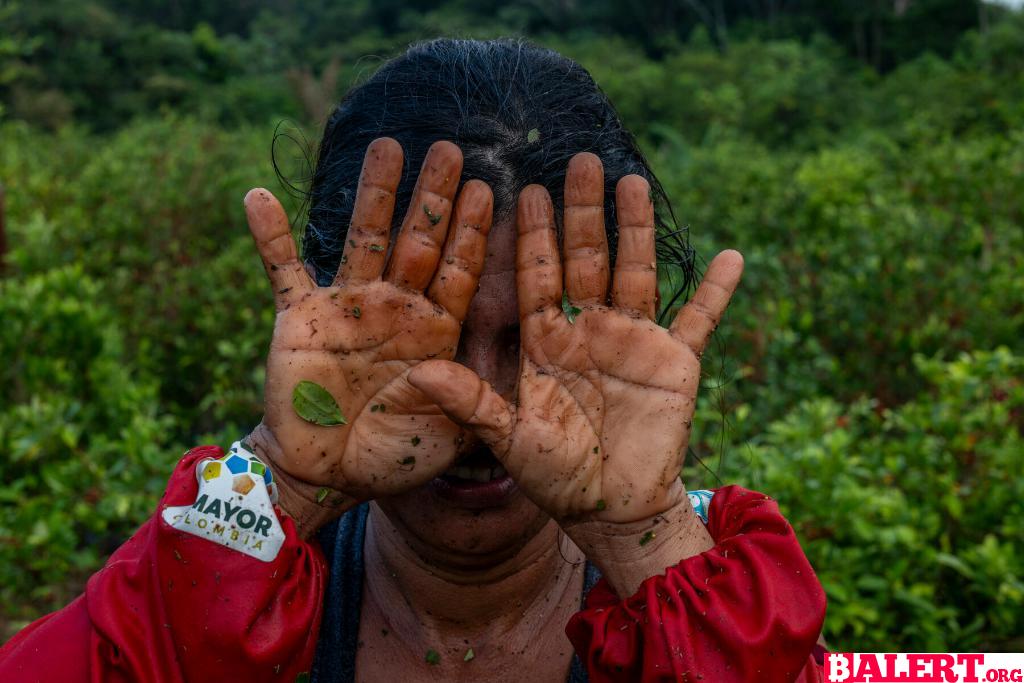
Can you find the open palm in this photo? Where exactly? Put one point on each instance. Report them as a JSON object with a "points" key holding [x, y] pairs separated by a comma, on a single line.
{"points": [[359, 337], [605, 395]]}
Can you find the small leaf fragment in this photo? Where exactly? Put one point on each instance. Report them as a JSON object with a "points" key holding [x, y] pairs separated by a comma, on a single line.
{"points": [[315, 404], [302, 677], [375, 247], [570, 311], [433, 657], [533, 135], [647, 537], [434, 218], [415, 441], [408, 460], [469, 655], [357, 312], [601, 505], [322, 493]]}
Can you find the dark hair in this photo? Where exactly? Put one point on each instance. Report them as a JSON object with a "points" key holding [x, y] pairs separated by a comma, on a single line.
{"points": [[518, 112]]}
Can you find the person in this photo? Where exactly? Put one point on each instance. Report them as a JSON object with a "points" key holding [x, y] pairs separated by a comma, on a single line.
{"points": [[469, 464]]}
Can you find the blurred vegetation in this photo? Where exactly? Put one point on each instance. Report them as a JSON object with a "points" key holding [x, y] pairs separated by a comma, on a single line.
{"points": [[867, 158]]}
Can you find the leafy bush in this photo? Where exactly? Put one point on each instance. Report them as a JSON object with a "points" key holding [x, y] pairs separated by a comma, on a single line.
{"points": [[858, 257], [912, 516], [86, 448], [153, 214]]}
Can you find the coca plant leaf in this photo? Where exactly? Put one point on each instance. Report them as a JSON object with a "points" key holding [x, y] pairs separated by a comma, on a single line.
{"points": [[315, 404], [570, 311]]}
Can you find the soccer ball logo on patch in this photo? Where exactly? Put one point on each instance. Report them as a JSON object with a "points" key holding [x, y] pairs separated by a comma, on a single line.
{"points": [[247, 473]]}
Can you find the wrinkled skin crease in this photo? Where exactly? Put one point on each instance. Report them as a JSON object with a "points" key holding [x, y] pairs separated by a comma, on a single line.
{"points": [[504, 579]]}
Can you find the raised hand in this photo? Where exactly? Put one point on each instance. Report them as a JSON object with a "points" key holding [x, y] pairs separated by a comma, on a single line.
{"points": [[605, 395], [359, 338]]}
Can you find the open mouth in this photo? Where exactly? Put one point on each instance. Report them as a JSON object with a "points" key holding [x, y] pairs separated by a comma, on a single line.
{"points": [[477, 480], [476, 466]]}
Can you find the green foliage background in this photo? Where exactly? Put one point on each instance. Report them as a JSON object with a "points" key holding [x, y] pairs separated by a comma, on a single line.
{"points": [[870, 374]]}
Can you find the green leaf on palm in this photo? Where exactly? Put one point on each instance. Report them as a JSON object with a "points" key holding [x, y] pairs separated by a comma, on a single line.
{"points": [[570, 311], [315, 404]]}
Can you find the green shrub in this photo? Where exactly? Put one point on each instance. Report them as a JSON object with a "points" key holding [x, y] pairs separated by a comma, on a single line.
{"points": [[857, 258], [86, 448], [913, 516], [154, 215]]}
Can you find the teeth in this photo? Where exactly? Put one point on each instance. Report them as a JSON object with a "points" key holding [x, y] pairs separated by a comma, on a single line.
{"points": [[478, 474]]}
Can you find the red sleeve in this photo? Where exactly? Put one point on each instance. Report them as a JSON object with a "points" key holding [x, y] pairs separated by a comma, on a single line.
{"points": [[749, 609], [171, 606]]}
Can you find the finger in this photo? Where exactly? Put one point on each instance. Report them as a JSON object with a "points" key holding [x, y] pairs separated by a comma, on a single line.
{"points": [[366, 245], [269, 226], [466, 399], [418, 246], [585, 242], [701, 314], [538, 268], [635, 284], [455, 282]]}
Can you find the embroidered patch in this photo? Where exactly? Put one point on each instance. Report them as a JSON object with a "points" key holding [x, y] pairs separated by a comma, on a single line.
{"points": [[700, 499], [235, 505]]}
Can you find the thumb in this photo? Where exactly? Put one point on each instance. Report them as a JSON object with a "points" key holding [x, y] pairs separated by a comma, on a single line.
{"points": [[467, 400]]}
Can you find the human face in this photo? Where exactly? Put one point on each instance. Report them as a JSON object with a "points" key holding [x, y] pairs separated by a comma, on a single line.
{"points": [[473, 523]]}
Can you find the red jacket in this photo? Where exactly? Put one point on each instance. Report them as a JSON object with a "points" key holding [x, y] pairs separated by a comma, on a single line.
{"points": [[171, 606]]}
